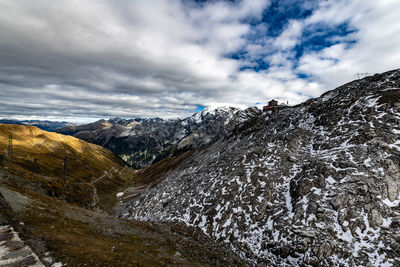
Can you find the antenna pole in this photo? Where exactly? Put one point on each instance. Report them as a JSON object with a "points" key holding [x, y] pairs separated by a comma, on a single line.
{"points": [[361, 75], [35, 166], [10, 152], [65, 168]]}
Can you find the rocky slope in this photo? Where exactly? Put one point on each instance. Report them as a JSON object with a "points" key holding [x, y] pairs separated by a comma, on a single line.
{"points": [[142, 142], [316, 184]]}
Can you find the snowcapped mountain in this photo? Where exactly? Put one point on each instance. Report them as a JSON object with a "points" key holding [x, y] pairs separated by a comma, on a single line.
{"points": [[141, 142], [317, 184]]}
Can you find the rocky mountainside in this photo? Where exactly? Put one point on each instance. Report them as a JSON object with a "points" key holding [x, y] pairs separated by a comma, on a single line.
{"points": [[317, 184], [49, 126], [142, 142]]}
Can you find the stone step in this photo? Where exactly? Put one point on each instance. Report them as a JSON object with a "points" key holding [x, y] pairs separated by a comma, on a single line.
{"points": [[13, 251]]}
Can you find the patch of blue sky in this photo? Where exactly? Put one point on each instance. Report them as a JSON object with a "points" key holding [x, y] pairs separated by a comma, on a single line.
{"points": [[196, 108], [316, 37], [302, 76], [275, 19], [258, 65], [280, 12], [199, 108]]}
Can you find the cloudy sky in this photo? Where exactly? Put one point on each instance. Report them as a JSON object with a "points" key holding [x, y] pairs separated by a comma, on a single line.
{"points": [[80, 60]]}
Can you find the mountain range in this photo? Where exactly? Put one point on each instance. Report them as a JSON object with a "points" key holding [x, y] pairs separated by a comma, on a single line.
{"points": [[142, 142]]}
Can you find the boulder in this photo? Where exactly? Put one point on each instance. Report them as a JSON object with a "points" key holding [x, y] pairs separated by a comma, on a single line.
{"points": [[376, 219]]}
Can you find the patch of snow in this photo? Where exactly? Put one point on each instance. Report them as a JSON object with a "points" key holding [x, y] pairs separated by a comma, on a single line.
{"points": [[126, 131], [386, 223], [276, 235], [270, 224], [203, 222], [367, 162], [289, 206], [330, 180], [381, 115], [372, 101], [227, 222], [347, 236], [389, 203], [395, 145]]}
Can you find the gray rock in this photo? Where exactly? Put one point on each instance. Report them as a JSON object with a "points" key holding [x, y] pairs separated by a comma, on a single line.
{"points": [[23, 262], [16, 254], [376, 218], [6, 236], [392, 190], [13, 245], [324, 250]]}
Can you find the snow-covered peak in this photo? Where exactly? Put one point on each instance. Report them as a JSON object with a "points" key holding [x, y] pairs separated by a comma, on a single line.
{"points": [[219, 109], [118, 120], [214, 111]]}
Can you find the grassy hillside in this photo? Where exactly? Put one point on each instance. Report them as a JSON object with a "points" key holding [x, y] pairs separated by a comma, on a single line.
{"points": [[90, 167]]}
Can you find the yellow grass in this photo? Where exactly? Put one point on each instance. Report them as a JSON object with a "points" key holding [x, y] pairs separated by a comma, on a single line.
{"points": [[86, 162]]}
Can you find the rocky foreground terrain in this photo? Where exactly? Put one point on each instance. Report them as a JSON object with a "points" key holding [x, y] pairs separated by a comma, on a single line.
{"points": [[141, 142], [41, 230], [317, 184]]}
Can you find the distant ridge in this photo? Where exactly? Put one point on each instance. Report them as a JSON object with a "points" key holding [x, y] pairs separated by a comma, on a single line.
{"points": [[50, 126]]}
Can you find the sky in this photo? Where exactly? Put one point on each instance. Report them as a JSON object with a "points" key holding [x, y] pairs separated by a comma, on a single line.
{"points": [[82, 60]]}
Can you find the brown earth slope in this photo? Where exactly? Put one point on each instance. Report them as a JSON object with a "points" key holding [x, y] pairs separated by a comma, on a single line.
{"points": [[92, 171]]}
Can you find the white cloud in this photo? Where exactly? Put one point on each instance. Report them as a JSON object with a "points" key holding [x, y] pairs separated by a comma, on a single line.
{"points": [[290, 37], [377, 41], [161, 58]]}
